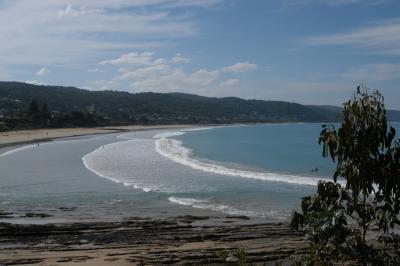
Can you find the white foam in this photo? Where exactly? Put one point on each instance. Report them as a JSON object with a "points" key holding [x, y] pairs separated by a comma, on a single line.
{"points": [[175, 151], [178, 133], [168, 134], [86, 164], [201, 128], [93, 161], [144, 188], [126, 184], [206, 204], [98, 173], [17, 150]]}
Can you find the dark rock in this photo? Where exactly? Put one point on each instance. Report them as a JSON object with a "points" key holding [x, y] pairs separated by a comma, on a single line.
{"points": [[151, 242], [241, 217], [38, 214]]}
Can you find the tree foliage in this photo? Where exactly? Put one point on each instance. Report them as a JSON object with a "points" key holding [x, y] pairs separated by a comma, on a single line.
{"points": [[338, 218], [34, 117]]}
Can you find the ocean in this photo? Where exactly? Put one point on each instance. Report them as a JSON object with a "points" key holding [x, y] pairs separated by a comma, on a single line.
{"points": [[254, 170]]}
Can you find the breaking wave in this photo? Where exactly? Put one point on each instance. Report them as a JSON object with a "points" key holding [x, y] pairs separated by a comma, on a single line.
{"points": [[174, 150], [90, 158], [207, 205]]}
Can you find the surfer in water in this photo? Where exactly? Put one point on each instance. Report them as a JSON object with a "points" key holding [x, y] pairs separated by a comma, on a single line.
{"points": [[315, 170]]}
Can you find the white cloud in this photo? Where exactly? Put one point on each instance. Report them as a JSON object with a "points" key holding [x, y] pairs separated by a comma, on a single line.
{"points": [[204, 77], [144, 58], [164, 78], [77, 32], [140, 72], [300, 3], [116, 4], [179, 58], [198, 3], [143, 71], [43, 72], [240, 67], [35, 82], [229, 82], [70, 11], [381, 37]]}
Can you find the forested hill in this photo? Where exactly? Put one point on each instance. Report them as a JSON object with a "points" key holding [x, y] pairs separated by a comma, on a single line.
{"points": [[115, 107], [392, 115]]}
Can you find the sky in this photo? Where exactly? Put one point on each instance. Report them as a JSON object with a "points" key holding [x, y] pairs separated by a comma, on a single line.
{"points": [[305, 51]]}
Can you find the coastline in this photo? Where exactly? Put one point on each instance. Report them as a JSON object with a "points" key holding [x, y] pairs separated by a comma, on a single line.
{"points": [[183, 239], [20, 137]]}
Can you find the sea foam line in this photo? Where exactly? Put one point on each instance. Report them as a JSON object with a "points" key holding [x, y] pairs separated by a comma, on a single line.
{"points": [[26, 147], [180, 132], [175, 151], [205, 204], [85, 160]]}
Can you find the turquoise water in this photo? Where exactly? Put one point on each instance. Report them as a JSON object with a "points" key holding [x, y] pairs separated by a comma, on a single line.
{"points": [[260, 171], [285, 148]]}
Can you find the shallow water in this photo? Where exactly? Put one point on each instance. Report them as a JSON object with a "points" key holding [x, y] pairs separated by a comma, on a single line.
{"points": [[52, 178], [259, 171]]}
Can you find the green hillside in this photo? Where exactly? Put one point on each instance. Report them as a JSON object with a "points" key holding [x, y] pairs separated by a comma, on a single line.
{"points": [[68, 106]]}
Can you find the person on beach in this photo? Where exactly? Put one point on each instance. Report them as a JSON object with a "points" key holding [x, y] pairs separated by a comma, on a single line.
{"points": [[315, 170]]}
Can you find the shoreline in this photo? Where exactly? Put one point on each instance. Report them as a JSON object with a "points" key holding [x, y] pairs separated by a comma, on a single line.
{"points": [[68, 133], [22, 137], [181, 239]]}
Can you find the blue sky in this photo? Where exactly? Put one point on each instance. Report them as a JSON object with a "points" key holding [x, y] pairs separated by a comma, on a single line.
{"points": [[306, 51]]}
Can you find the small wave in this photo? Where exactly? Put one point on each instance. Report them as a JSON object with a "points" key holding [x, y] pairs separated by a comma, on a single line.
{"points": [[207, 205], [86, 164], [175, 151], [163, 134], [17, 150], [179, 133], [143, 187], [200, 128], [168, 134]]}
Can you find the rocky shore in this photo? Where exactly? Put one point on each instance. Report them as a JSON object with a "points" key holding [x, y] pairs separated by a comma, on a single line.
{"points": [[182, 240]]}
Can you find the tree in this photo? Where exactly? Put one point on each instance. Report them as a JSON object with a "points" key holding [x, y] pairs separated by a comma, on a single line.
{"points": [[338, 218], [33, 107], [44, 108]]}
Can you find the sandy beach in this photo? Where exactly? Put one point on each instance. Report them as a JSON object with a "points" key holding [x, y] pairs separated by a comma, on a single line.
{"points": [[10, 138]]}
